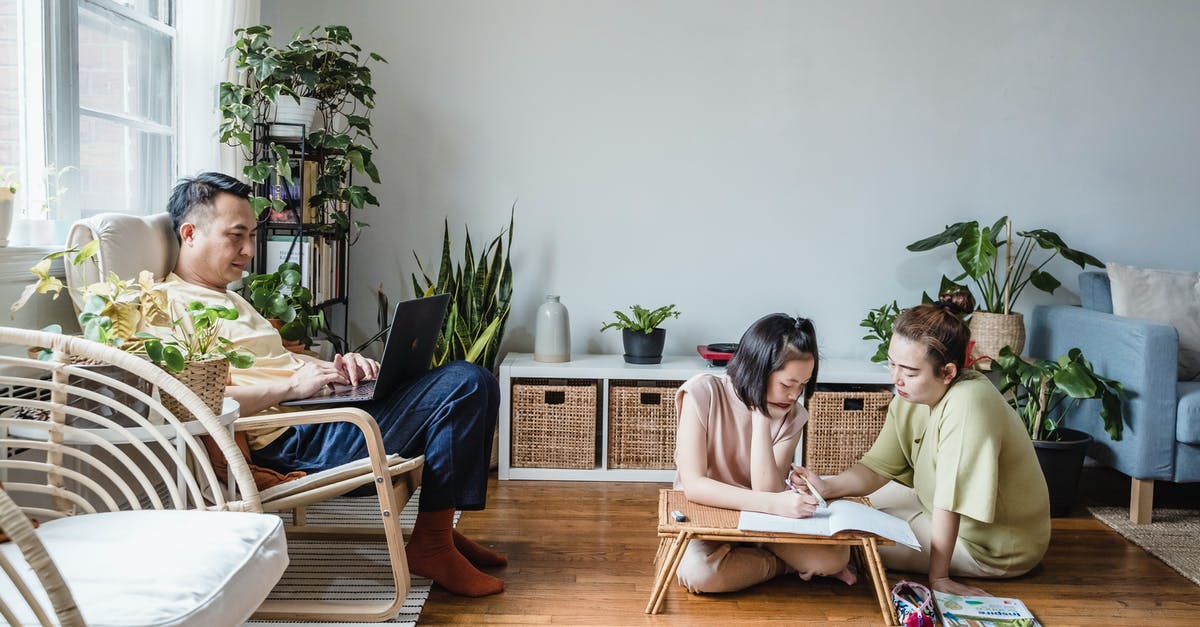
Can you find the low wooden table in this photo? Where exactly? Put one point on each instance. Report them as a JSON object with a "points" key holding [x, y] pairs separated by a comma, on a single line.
{"points": [[713, 523]]}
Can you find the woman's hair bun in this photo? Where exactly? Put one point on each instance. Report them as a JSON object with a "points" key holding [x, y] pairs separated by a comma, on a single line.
{"points": [[958, 301]]}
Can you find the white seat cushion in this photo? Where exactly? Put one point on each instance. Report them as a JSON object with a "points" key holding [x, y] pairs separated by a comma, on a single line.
{"points": [[162, 567]]}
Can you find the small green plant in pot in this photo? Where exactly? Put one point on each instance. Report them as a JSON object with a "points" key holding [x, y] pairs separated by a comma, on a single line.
{"points": [[1043, 391], [641, 335], [280, 298]]}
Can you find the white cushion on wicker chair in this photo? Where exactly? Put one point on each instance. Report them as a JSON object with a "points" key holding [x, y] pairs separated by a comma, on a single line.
{"points": [[162, 567]]}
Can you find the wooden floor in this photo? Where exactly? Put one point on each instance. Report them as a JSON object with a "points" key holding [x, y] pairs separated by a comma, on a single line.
{"points": [[580, 554]]}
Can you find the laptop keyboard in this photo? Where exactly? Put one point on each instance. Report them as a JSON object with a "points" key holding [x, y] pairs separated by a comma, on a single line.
{"points": [[364, 392]]}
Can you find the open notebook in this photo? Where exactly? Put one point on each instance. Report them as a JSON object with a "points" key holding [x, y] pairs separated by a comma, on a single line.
{"points": [[839, 516]]}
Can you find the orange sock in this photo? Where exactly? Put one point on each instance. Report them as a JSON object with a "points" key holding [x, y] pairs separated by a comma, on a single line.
{"points": [[476, 553], [431, 554]]}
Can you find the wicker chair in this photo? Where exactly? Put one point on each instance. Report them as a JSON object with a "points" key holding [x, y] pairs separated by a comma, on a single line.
{"points": [[126, 495], [129, 244]]}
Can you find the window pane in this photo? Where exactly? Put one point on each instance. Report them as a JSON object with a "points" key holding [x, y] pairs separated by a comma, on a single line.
{"points": [[124, 67], [10, 98], [157, 9], [122, 169]]}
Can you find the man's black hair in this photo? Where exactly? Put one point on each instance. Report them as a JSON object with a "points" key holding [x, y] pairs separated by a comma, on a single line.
{"points": [[198, 193]]}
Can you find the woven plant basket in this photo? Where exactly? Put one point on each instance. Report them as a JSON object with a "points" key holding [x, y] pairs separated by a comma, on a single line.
{"points": [[992, 332], [207, 379]]}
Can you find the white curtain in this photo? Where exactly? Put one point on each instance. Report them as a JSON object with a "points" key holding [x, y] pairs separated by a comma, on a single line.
{"points": [[205, 30]]}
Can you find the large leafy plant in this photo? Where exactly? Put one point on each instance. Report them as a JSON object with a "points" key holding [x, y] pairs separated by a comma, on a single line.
{"points": [[280, 296], [1000, 282], [480, 297], [643, 320], [323, 63], [1043, 391], [113, 309]]}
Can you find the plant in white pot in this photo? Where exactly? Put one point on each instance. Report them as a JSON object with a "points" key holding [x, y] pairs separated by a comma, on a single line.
{"points": [[1043, 391], [8, 192], [641, 335], [322, 70], [999, 282]]}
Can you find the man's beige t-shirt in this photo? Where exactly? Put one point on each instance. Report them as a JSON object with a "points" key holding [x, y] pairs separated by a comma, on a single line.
{"points": [[970, 454], [711, 400], [249, 332]]}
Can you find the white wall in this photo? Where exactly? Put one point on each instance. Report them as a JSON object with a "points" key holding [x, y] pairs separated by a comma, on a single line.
{"points": [[740, 158]]}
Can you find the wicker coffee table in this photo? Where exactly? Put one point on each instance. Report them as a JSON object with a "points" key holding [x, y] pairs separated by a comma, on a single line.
{"points": [[713, 523]]}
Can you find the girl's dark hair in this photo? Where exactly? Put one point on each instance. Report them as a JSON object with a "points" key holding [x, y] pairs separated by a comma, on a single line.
{"points": [[767, 346], [196, 194], [940, 327]]}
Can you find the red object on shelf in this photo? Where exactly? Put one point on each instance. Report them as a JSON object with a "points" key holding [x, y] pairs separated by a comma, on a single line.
{"points": [[717, 358]]}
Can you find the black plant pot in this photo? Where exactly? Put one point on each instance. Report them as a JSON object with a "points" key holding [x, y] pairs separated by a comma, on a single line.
{"points": [[643, 348], [1061, 461]]}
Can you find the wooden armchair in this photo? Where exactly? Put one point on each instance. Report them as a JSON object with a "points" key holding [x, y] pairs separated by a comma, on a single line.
{"points": [[395, 478], [135, 528]]}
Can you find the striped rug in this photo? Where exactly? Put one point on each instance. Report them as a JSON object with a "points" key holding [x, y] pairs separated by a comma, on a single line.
{"points": [[347, 569]]}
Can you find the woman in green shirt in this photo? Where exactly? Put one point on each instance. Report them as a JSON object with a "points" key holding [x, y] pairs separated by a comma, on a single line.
{"points": [[952, 458]]}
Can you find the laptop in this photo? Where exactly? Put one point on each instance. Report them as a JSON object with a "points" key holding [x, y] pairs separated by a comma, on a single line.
{"points": [[407, 353]]}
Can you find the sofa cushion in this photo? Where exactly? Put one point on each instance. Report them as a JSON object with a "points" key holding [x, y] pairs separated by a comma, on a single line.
{"points": [[1187, 420], [161, 567], [1168, 296]]}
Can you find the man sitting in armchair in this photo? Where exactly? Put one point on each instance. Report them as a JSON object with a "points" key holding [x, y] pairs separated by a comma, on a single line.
{"points": [[448, 414]]}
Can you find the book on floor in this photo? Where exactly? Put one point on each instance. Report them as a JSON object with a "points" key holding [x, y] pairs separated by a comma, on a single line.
{"points": [[839, 516], [965, 611]]}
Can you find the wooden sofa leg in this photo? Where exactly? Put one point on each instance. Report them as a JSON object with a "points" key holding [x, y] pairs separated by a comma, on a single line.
{"points": [[1141, 500]]}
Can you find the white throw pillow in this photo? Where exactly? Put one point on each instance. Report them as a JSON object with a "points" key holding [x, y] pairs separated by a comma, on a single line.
{"points": [[1167, 296]]}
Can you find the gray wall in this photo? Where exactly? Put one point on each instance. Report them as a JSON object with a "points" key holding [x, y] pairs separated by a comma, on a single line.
{"points": [[739, 158]]}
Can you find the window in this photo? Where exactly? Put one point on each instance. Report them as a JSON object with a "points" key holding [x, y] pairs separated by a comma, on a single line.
{"points": [[87, 110]]}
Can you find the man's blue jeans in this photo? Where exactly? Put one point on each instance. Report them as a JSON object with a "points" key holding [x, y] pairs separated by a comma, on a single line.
{"points": [[448, 414]]}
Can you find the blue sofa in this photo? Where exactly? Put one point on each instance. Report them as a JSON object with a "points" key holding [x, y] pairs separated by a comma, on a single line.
{"points": [[1162, 431]]}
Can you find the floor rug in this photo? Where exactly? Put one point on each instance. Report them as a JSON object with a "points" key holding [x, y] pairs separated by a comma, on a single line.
{"points": [[347, 569], [1171, 537]]}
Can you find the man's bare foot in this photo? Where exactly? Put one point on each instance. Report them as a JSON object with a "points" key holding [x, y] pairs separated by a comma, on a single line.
{"points": [[846, 575]]}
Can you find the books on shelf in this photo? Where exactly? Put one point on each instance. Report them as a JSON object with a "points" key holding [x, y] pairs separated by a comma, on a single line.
{"points": [[964, 611], [319, 259], [839, 516], [295, 195]]}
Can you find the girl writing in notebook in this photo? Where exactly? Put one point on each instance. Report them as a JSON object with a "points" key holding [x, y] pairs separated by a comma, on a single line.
{"points": [[734, 446], [952, 458]]}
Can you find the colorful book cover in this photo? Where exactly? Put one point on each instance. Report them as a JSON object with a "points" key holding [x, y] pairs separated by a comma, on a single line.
{"points": [[964, 611]]}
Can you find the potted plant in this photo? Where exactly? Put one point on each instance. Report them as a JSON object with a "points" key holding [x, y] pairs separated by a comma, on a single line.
{"points": [[480, 298], [281, 299], [997, 286], [325, 69], [8, 191], [1043, 391], [116, 310], [641, 336]]}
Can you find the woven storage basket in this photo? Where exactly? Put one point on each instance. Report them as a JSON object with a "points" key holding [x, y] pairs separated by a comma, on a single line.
{"points": [[642, 424], [842, 425], [554, 423], [207, 379], [992, 332]]}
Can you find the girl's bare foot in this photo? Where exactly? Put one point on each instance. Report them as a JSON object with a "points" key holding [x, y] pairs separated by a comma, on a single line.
{"points": [[846, 575]]}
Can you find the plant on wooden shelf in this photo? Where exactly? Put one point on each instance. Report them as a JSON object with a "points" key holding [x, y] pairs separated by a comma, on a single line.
{"points": [[480, 298], [641, 335], [281, 298], [1043, 391], [325, 69]]}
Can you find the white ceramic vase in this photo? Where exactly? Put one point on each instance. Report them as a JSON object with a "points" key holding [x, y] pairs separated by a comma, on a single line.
{"points": [[552, 334]]}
